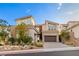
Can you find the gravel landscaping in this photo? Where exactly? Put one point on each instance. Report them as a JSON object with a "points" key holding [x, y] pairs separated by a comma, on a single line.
{"points": [[11, 48]]}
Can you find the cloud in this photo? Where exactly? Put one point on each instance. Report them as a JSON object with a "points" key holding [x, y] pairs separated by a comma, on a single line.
{"points": [[72, 12], [69, 12], [59, 6], [28, 10], [72, 16]]}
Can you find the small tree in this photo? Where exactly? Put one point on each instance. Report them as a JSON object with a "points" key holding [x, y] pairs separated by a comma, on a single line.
{"points": [[65, 35], [27, 40], [22, 31], [12, 41]]}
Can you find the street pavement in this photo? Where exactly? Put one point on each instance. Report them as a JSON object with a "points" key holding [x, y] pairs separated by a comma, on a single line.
{"points": [[50, 49], [69, 51], [56, 53]]}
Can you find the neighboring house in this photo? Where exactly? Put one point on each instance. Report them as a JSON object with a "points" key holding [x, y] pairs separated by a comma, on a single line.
{"points": [[73, 26], [72, 23], [27, 20], [50, 32]]}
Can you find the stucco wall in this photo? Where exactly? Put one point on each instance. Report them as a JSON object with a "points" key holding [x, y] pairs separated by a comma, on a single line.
{"points": [[45, 31], [25, 21], [71, 24], [76, 31], [31, 33], [44, 28]]}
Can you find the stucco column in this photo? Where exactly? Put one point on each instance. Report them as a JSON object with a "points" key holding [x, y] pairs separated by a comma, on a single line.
{"points": [[43, 37], [57, 38]]}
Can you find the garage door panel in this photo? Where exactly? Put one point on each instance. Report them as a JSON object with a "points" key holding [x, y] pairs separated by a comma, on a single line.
{"points": [[50, 38]]}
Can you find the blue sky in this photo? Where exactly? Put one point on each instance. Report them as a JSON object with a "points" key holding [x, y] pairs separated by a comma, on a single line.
{"points": [[56, 12]]}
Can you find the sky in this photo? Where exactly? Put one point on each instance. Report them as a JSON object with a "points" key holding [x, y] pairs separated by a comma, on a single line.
{"points": [[56, 12]]}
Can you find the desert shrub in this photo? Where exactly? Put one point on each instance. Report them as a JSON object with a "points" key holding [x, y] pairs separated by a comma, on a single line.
{"points": [[27, 40], [24, 40], [12, 40], [65, 35], [32, 43], [19, 40], [39, 43], [1, 45]]}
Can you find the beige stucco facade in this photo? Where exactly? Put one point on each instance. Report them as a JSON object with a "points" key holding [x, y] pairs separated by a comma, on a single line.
{"points": [[32, 33], [59, 28], [47, 32], [72, 23], [76, 32], [27, 20], [74, 27]]}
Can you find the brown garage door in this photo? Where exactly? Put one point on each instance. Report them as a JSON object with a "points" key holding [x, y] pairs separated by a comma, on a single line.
{"points": [[50, 38]]}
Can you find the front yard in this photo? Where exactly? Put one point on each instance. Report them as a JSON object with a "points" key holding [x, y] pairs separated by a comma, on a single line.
{"points": [[36, 45], [19, 40]]}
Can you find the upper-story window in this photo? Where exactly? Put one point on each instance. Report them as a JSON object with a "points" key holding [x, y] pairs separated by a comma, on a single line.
{"points": [[52, 27], [28, 22]]}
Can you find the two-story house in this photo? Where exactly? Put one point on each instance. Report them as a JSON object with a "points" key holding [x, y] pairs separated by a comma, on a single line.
{"points": [[29, 20], [50, 32]]}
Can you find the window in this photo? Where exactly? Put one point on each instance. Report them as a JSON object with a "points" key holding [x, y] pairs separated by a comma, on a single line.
{"points": [[52, 27], [28, 22]]}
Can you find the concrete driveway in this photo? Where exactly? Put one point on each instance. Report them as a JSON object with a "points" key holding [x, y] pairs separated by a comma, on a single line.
{"points": [[54, 45]]}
